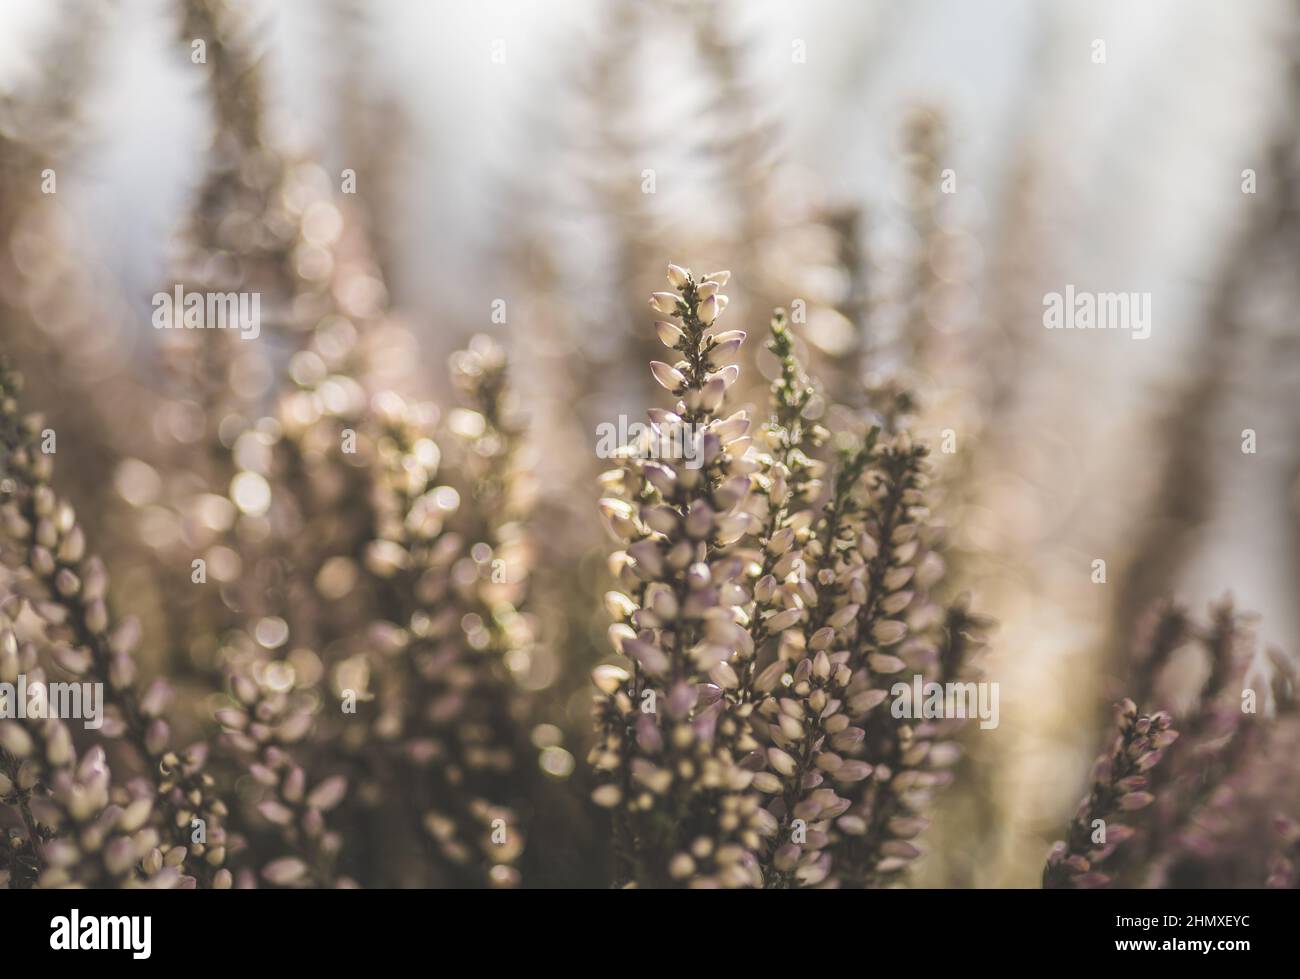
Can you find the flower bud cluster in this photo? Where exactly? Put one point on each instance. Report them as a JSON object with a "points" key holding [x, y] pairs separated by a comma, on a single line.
{"points": [[67, 587], [763, 636], [1119, 786]]}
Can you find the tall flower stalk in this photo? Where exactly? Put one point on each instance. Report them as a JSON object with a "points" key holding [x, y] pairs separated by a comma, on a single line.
{"points": [[67, 587], [1213, 808], [672, 739], [1119, 786], [738, 749]]}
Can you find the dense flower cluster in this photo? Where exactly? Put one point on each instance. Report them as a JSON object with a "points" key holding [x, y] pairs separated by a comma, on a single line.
{"points": [[1208, 804], [1119, 785], [346, 670], [766, 621], [66, 586], [422, 704]]}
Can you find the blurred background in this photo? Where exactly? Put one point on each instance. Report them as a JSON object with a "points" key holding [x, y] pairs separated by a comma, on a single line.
{"points": [[526, 169]]}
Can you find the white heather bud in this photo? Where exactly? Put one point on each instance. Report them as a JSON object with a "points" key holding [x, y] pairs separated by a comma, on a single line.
{"points": [[733, 526], [618, 514], [779, 490], [661, 477], [699, 520], [781, 762], [781, 541], [668, 376], [708, 310], [681, 555], [888, 631], [668, 334], [784, 620], [711, 395], [828, 761], [791, 728], [868, 699], [59, 747], [731, 492], [652, 659], [618, 605], [884, 663], [678, 276], [620, 633], [134, 815], [662, 601], [770, 677], [731, 594], [609, 679], [822, 665], [97, 617], [732, 428], [153, 861], [698, 575], [896, 578], [852, 771], [727, 343], [665, 303], [15, 740], [73, 548], [843, 616], [724, 676], [791, 706], [767, 783], [822, 639], [896, 602], [156, 736], [662, 519], [721, 278]]}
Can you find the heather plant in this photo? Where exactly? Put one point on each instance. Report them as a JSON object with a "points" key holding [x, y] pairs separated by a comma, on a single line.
{"points": [[1119, 786], [746, 746], [422, 702], [586, 339], [349, 631], [66, 586], [424, 697], [362, 611], [1201, 792], [459, 559]]}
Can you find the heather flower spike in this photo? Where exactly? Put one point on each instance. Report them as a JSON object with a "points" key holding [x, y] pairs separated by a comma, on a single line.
{"points": [[1120, 782], [67, 587], [754, 611]]}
